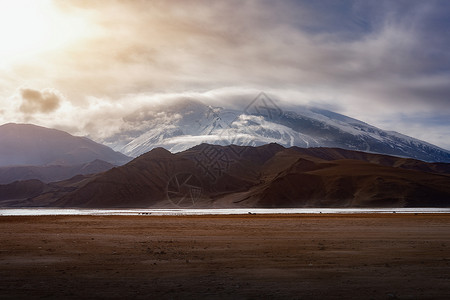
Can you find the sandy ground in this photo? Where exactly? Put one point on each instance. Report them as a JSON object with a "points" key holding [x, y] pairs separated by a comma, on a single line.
{"points": [[385, 256]]}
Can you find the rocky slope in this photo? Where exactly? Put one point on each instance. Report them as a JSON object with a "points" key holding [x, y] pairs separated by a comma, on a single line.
{"points": [[267, 176]]}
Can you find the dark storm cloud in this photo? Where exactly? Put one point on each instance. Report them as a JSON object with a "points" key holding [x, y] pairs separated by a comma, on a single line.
{"points": [[174, 46], [34, 101]]}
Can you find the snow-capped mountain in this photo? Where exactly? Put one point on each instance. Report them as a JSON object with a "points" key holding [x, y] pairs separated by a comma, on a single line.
{"points": [[186, 123]]}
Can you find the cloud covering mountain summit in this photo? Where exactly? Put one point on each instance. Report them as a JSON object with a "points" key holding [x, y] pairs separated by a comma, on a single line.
{"points": [[186, 123]]}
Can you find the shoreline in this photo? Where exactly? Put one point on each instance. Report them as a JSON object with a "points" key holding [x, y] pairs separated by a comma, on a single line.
{"points": [[216, 211], [243, 216]]}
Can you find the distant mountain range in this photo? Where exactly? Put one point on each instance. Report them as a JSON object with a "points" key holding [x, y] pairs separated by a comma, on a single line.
{"points": [[181, 125], [51, 173], [31, 145], [33, 152], [214, 176]]}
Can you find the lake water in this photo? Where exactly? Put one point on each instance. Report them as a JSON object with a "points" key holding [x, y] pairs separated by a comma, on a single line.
{"points": [[227, 211]]}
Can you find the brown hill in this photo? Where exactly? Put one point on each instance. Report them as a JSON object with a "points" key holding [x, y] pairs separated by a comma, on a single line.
{"points": [[350, 183], [385, 160], [265, 176]]}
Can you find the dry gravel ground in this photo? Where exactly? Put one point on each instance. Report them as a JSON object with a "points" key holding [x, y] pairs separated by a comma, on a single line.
{"points": [[382, 256]]}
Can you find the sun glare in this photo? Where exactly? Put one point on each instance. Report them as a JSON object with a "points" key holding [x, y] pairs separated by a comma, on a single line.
{"points": [[29, 27]]}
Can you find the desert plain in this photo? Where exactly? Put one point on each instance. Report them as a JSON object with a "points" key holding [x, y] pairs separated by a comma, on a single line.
{"points": [[304, 256]]}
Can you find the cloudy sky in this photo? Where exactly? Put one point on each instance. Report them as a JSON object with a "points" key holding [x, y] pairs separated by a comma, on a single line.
{"points": [[82, 65]]}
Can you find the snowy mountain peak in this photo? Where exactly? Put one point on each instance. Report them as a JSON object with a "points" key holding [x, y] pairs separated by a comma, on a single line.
{"points": [[187, 123]]}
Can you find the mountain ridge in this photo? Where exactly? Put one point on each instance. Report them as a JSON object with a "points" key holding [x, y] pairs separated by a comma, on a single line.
{"points": [[214, 176], [32, 145]]}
